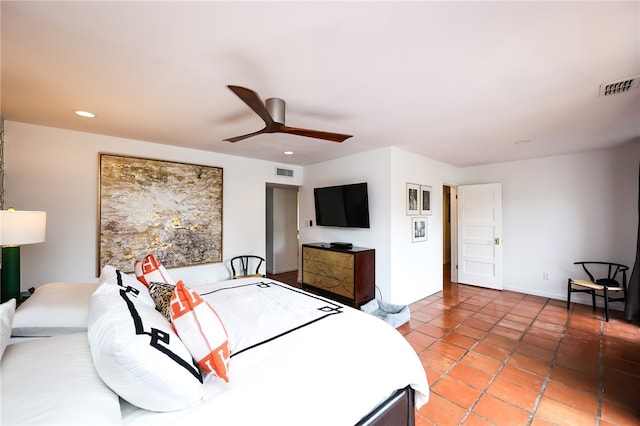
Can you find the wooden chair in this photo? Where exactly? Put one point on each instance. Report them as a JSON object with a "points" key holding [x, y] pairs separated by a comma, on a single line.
{"points": [[607, 285], [244, 265]]}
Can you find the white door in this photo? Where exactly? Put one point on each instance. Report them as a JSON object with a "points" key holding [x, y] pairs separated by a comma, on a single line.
{"points": [[480, 235]]}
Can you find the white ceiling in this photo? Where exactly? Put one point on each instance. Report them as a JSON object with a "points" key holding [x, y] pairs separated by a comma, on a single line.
{"points": [[459, 82]]}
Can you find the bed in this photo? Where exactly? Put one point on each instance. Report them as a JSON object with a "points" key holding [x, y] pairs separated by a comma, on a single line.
{"points": [[294, 358]]}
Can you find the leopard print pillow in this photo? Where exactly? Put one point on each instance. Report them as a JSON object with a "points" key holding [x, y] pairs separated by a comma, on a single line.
{"points": [[161, 294]]}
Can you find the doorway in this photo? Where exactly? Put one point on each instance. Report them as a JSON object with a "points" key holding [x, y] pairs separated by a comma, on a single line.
{"points": [[449, 233], [282, 226]]}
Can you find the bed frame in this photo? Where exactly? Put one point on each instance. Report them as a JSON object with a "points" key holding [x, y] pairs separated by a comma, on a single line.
{"points": [[397, 410]]}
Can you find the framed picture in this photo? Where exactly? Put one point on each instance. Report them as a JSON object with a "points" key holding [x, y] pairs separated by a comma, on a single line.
{"points": [[173, 210], [419, 229], [413, 199], [425, 199]]}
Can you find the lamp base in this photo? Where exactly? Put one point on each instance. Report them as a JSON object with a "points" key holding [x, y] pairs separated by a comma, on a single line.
{"points": [[10, 275]]}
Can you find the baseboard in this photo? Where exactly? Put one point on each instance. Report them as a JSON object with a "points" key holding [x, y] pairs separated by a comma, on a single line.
{"points": [[578, 298], [284, 271]]}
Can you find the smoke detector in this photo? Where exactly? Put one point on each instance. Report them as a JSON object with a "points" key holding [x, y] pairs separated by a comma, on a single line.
{"points": [[620, 86]]}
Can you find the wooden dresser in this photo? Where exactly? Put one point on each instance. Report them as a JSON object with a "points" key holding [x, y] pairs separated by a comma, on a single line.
{"points": [[344, 275]]}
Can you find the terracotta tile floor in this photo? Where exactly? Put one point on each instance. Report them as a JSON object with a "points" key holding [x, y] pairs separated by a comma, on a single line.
{"points": [[505, 358]]}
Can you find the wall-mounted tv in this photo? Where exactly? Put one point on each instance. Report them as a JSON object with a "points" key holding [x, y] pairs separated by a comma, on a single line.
{"points": [[343, 205]]}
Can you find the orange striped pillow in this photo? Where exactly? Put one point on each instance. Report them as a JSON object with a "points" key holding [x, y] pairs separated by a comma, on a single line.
{"points": [[201, 330], [150, 269]]}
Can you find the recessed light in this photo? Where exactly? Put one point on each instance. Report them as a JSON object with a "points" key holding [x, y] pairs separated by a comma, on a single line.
{"points": [[288, 153], [85, 114]]}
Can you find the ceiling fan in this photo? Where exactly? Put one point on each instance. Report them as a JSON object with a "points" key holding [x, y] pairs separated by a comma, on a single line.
{"points": [[272, 112]]}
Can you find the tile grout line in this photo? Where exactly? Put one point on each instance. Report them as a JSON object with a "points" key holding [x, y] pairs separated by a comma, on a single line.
{"points": [[524, 333], [446, 372], [475, 403], [483, 392], [504, 364], [552, 364]]}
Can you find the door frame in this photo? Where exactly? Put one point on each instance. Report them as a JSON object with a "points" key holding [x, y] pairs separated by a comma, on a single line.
{"points": [[269, 254], [453, 231]]}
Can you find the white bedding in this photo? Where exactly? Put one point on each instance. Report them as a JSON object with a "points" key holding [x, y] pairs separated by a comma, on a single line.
{"points": [[54, 308], [51, 381], [296, 359]]}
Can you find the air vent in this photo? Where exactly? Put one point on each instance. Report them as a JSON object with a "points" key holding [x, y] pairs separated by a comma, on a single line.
{"points": [[620, 86], [284, 172]]}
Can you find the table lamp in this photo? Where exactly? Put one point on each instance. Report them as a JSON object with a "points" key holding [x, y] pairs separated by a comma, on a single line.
{"points": [[17, 228]]}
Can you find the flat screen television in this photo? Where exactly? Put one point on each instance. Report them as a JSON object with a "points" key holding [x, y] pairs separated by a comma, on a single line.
{"points": [[343, 205]]}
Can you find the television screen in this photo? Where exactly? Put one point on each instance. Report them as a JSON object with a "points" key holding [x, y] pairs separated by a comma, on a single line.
{"points": [[342, 205]]}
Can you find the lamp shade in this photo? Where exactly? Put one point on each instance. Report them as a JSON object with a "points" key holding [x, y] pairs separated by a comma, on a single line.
{"points": [[22, 227]]}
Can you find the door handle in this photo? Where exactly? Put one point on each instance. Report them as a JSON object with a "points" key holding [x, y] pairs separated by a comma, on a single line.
{"points": [[496, 241]]}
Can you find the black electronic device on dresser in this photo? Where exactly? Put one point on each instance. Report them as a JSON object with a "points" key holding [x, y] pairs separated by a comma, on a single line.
{"points": [[341, 245], [346, 275]]}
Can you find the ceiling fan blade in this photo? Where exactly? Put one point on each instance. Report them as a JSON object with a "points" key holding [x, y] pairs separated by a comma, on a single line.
{"points": [[316, 134], [252, 99], [239, 138]]}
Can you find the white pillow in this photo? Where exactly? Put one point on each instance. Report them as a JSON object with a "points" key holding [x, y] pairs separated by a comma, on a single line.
{"points": [[7, 311], [52, 381], [137, 353], [54, 308], [113, 276]]}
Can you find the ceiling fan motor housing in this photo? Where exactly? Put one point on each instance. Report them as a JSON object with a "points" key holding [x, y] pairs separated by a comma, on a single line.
{"points": [[275, 107]]}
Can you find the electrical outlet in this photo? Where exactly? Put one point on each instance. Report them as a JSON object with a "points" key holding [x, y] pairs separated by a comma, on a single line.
{"points": [[545, 276]]}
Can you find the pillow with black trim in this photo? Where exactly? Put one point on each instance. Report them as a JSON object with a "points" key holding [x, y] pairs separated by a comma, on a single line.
{"points": [[161, 295], [112, 276], [137, 354]]}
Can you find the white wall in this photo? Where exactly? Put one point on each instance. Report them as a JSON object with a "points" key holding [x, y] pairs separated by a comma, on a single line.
{"points": [[57, 171], [405, 271], [416, 268], [559, 210]]}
